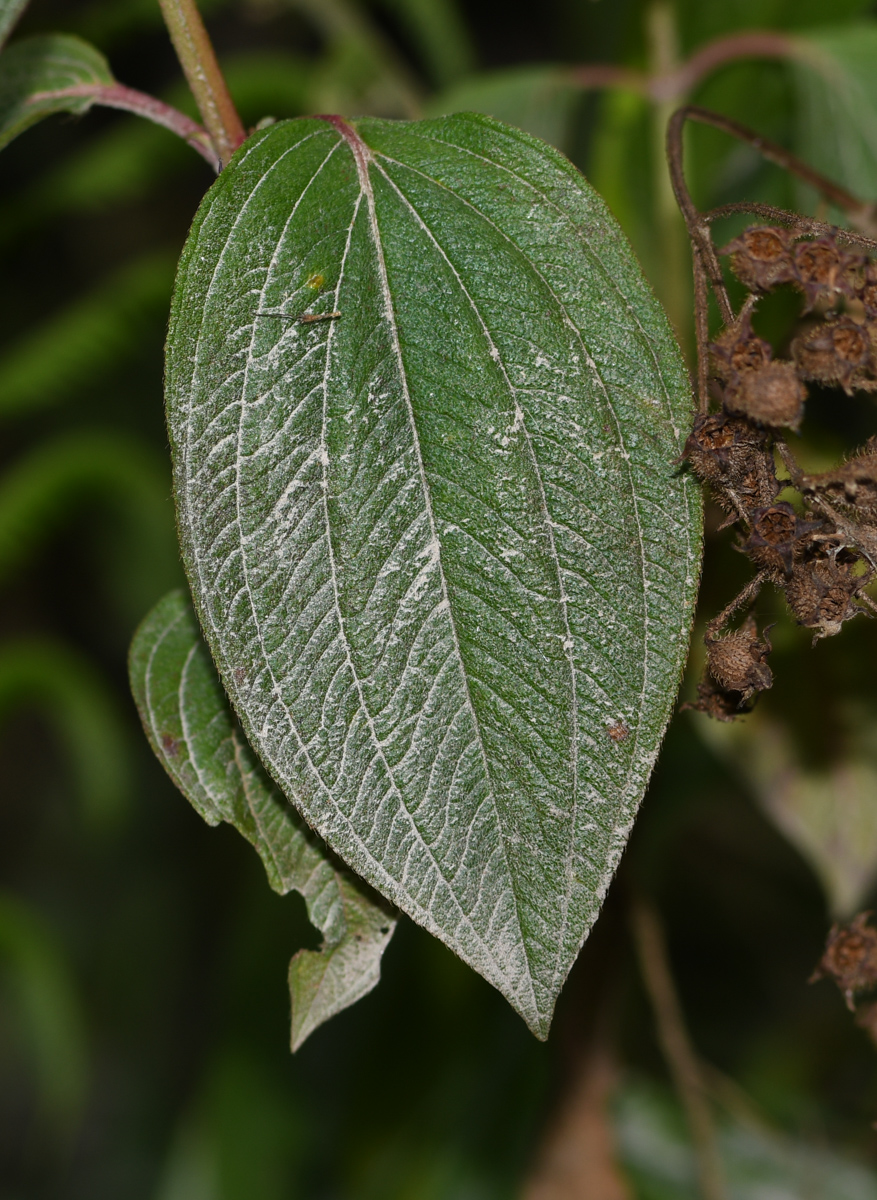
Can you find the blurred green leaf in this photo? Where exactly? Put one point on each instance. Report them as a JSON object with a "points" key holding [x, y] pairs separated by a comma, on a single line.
{"points": [[759, 1163], [439, 36], [837, 105], [621, 168], [36, 973], [52, 483], [360, 70], [539, 100], [829, 815], [64, 686], [55, 361], [10, 11], [191, 729], [242, 1137], [391, 520], [32, 69], [107, 21], [699, 22]]}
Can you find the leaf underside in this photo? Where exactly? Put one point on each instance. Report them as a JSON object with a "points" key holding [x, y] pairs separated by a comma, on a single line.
{"points": [[191, 729], [32, 69], [438, 545]]}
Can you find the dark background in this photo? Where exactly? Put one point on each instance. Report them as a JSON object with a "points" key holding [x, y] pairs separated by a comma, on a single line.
{"points": [[143, 1003]]}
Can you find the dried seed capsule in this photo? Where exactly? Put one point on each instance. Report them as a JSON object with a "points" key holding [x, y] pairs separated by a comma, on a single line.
{"points": [[837, 351], [850, 958], [821, 593], [737, 661], [718, 704], [852, 486], [761, 257], [771, 395], [823, 270], [737, 349], [778, 539], [735, 458], [867, 290]]}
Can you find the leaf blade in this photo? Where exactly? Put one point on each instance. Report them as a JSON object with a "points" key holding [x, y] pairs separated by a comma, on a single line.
{"points": [[186, 718], [34, 69], [381, 520]]}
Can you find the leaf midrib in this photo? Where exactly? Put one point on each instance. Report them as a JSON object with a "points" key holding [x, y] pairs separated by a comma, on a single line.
{"points": [[363, 157]]}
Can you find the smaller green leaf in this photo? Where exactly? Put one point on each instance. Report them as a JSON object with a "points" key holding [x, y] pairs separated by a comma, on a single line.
{"points": [[36, 72], [190, 726], [10, 11]]}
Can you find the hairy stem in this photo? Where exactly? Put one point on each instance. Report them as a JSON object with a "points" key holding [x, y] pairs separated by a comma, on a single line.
{"points": [[784, 217], [677, 1048], [698, 227], [701, 329], [746, 596], [195, 52]]}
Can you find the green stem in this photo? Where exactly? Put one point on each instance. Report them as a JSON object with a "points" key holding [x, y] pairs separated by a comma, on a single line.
{"points": [[673, 282], [195, 52]]}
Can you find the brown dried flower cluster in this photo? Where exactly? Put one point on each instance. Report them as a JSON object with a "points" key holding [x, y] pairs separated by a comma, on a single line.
{"points": [[822, 554], [850, 958]]}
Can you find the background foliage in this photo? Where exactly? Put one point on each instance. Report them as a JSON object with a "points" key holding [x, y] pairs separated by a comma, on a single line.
{"points": [[143, 1004]]}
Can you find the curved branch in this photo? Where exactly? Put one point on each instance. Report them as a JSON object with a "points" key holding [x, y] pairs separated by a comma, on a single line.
{"points": [[676, 84], [753, 44], [857, 210], [116, 95], [698, 228]]}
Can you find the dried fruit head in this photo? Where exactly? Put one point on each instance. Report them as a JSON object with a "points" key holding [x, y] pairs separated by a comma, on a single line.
{"points": [[833, 352], [761, 257], [718, 704], [737, 349], [851, 486], [735, 459], [778, 539], [823, 270], [770, 395], [737, 661], [850, 958], [821, 593]]}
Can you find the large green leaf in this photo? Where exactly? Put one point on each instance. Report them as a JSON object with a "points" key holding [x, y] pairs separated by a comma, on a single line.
{"points": [[188, 722], [439, 544], [35, 69]]}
